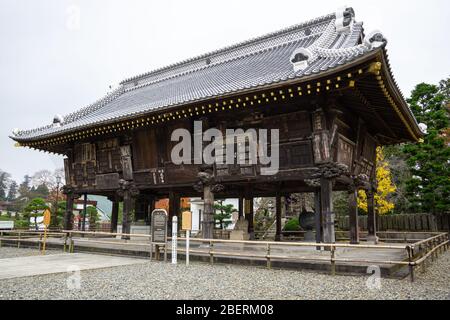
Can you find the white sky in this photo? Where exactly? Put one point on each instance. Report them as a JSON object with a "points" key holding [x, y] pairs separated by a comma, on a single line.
{"points": [[48, 66]]}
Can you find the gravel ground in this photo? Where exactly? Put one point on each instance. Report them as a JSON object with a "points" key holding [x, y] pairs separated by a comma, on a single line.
{"points": [[9, 252], [158, 280]]}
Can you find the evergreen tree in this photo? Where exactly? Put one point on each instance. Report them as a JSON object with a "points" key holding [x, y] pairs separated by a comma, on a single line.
{"points": [[41, 191], [12, 193], [34, 209], [428, 188], [223, 213], [24, 188]]}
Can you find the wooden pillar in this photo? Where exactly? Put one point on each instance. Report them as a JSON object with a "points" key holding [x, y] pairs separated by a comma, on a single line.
{"points": [[371, 217], [249, 215], [208, 212], [69, 212], [126, 216], [83, 224], [114, 215], [278, 209], [174, 209], [318, 213], [353, 215], [241, 208], [151, 207], [326, 201], [284, 208]]}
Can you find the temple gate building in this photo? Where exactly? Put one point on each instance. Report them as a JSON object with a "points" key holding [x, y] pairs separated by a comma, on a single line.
{"points": [[325, 84]]}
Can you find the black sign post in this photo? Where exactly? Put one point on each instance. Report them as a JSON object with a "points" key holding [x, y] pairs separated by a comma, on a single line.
{"points": [[159, 232]]}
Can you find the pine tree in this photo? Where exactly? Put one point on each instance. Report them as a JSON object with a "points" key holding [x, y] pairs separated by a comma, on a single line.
{"points": [[24, 188], [12, 193], [223, 213], [428, 189]]}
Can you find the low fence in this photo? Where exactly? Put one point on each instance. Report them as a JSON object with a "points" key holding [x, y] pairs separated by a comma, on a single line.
{"points": [[402, 222], [419, 253]]}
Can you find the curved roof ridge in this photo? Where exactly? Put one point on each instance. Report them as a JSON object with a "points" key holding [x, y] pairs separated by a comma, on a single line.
{"points": [[74, 116], [231, 47], [144, 84]]}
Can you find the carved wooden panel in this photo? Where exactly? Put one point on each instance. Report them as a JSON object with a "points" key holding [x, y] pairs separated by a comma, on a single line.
{"points": [[145, 150], [127, 166], [108, 156], [294, 155], [321, 146], [319, 121], [155, 176], [345, 150], [85, 164], [67, 171], [84, 152], [181, 173], [107, 181], [369, 148], [291, 126]]}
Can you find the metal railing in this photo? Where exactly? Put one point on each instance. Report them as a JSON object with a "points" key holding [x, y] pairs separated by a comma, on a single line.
{"points": [[418, 253]]}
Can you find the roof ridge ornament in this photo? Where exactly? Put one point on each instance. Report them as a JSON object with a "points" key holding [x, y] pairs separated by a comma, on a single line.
{"points": [[58, 120], [345, 17], [302, 57], [374, 39]]}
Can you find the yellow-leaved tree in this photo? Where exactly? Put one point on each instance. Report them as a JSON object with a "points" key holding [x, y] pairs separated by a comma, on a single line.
{"points": [[385, 187]]}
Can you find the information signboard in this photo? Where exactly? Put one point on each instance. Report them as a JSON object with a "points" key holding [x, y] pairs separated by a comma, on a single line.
{"points": [[159, 226]]}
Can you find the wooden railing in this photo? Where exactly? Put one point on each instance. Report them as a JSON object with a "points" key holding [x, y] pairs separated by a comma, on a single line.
{"points": [[418, 253]]}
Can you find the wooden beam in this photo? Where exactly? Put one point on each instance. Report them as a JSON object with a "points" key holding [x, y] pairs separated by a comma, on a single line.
{"points": [[126, 215], [114, 215], [208, 212], [241, 207], [69, 212], [326, 200], [353, 216], [83, 224], [278, 234], [318, 212], [372, 217]]}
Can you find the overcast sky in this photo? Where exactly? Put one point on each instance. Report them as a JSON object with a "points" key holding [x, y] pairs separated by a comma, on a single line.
{"points": [[53, 63]]}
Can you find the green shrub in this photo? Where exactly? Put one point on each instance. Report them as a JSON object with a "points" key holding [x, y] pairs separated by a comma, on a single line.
{"points": [[292, 225], [21, 224]]}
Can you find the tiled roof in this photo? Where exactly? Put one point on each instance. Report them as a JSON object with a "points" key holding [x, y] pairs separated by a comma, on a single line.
{"points": [[326, 42]]}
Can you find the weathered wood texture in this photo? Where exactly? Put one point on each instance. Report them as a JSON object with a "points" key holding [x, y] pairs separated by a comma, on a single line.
{"points": [[306, 137], [403, 222]]}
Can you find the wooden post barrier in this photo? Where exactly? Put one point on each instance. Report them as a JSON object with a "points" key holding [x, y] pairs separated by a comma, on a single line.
{"points": [[71, 243], [424, 264], [18, 242], [411, 263], [211, 255], [40, 242], [65, 242], [333, 261]]}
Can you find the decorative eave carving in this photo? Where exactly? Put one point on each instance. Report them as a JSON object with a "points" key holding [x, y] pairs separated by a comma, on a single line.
{"points": [[331, 170], [127, 187], [206, 178]]}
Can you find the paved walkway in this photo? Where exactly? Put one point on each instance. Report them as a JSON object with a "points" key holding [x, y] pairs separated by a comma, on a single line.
{"points": [[59, 263]]}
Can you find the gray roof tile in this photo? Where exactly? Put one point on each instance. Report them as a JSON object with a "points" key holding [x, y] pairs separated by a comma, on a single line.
{"points": [[250, 64]]}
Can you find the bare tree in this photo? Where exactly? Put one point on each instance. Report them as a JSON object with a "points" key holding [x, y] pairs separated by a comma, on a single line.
{"points": [[44, 177]]}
